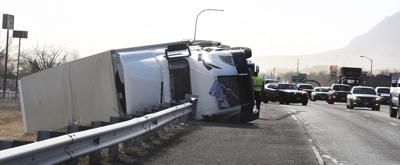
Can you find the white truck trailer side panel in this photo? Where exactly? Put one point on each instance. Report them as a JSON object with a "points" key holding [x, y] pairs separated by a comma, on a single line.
{"points": [[80, 91]]}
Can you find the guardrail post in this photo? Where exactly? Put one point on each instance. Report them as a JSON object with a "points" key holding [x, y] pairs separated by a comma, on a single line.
{"points": [[43, 135], [72, 128], [95, 157], [114, 149], [192, 99], [6, 144]]}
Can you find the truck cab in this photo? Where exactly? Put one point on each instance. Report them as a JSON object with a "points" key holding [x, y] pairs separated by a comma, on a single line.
{"points": [[350, 76]]}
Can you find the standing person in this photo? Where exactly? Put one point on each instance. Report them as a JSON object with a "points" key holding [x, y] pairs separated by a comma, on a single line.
{"points": [[258, 87]]}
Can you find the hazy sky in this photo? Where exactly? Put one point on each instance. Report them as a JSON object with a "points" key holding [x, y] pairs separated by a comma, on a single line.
{"points": [[269, 27]]}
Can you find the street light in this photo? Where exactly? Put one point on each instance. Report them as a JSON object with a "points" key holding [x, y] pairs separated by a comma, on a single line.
{"points": [[195, 26], [370, 61]]}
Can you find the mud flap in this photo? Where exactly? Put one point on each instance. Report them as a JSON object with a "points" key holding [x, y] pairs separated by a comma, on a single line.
{"points": [[245, 86]]}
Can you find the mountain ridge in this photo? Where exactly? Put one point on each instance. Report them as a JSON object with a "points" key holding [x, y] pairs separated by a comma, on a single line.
{"points": [[381, 43]]}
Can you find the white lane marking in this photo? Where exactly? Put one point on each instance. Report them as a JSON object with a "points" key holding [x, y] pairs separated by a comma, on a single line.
{"points": [[294, 117], [392, 123], [367, 115], [313, 146], [316, 152], [347, 110], [332, 159]]}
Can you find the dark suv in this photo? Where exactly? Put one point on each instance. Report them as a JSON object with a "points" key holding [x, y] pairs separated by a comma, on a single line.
{"points": [[338, 93], [289, 93]]}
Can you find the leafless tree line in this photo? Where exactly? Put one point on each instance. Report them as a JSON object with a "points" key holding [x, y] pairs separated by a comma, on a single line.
{"points": [[36, 59]]}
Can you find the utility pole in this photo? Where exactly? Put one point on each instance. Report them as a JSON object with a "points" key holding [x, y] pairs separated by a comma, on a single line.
{"points": [[298, 61], [274, 72]]}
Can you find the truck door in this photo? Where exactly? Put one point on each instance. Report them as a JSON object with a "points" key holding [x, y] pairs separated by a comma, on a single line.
{"points": [[179, 78]]}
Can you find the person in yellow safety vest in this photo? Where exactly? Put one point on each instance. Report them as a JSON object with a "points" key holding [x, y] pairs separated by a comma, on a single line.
{"points": [[258, 87]]}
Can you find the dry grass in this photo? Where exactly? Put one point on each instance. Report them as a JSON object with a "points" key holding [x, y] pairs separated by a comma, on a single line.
{"points": [[11, 126]]}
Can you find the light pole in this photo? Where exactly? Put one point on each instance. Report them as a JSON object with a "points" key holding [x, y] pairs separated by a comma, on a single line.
{"points": [[195, 26], [370, 59]]}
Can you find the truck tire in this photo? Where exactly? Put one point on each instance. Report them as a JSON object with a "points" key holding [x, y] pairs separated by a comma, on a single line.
{"points": [[265, 101], [377, 108], [304, 103], [281, 101], [392, 111], [330, 102]]}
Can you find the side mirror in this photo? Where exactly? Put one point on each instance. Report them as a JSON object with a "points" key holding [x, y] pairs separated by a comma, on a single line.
{"points": [[379, 94]]}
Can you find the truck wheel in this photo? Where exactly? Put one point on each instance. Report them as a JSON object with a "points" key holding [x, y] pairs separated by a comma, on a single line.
{"points": [[351, 107], [377, 108], [330, 102], [392, 111], [305, 102], [265, 101], [281, 101]]}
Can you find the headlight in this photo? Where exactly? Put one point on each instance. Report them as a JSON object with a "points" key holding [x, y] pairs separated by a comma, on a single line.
{"points": [[377, 99], [354, 97]]}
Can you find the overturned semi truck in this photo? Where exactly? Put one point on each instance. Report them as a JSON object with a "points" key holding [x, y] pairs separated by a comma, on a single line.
{"points": [[127, 81]]}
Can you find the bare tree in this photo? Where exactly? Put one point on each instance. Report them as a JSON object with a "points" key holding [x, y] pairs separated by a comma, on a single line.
{"points": [[45, 57]]}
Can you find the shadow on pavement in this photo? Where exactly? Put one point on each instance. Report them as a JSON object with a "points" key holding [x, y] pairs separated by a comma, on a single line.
{"points": [[284, 116], [225, 124]]}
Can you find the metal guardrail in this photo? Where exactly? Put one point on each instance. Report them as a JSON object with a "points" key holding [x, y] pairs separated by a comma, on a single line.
{"points": [[67, 147]]}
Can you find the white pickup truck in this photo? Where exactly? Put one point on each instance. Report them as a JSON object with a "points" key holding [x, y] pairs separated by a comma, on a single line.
{"points": [[394, 98]]}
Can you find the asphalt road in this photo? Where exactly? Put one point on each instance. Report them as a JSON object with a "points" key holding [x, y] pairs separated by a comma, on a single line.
{"points": [[318, 133], [343, 136], [276, 138]]}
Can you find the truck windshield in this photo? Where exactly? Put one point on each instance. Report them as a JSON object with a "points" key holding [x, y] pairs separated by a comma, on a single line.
{"points": [[341, 88], [351, 81], [287, 86], [367, 91], [383, 90]]}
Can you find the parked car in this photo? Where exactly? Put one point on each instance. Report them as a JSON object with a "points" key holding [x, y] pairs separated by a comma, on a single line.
{"points": [[338, 93], [320, 93], [362, 96], [269, 92], [289, 93], [306, 87], [394, 102], [384, 94]]}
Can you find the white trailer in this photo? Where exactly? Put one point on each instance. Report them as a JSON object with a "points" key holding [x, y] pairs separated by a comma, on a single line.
{"points": [[131, 80]]}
